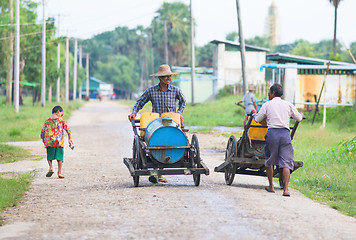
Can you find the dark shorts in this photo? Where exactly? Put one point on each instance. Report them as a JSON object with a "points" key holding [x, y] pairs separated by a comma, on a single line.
{"points": [[279, 148], [55, 153]]}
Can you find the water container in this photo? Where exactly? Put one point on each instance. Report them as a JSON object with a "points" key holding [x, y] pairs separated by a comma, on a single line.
{"points": [[163, 132], [257, 133], [146, 118], [175, 116]]}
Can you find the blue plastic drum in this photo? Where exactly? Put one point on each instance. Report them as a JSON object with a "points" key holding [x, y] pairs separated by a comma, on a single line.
{"points": [[164, 132]]}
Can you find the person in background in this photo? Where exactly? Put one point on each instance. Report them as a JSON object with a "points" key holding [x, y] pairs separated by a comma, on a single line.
{"points": [[250, 102], [279, 148]]}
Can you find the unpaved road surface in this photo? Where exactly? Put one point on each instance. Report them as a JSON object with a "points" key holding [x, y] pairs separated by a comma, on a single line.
{"points": [[97, 200]]}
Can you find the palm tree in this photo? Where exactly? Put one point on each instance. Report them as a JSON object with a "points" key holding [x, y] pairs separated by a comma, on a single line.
{"points": [[336, 4], [176, 15]]}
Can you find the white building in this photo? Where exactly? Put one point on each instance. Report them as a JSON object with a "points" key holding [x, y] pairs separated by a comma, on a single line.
{"points": [[227, 64]]}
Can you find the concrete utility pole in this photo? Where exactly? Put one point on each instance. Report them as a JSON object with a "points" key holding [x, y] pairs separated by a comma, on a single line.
{"points": [[75, 69], [67, 71], [43, 70], [17, 58], [87, 83], [58, 97], [80, 66], [192, 43], [9, 74], [80, 56], [166, 41], [242, 48]]}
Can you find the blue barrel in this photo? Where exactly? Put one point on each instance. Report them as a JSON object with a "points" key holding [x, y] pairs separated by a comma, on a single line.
{"points": [[164, 132]]}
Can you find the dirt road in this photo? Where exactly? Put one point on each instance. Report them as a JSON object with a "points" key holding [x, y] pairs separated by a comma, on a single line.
{"points": [[97, 200]]}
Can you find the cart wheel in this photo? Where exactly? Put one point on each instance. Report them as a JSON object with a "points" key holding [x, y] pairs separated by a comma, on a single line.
{"points": [[230, 171], [136, 158], [231, 148], [196, 159], [231, 151]]}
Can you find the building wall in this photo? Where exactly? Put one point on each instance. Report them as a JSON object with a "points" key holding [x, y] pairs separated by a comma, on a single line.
{"points": [[203, 89], [228, 70], [302, 88]]}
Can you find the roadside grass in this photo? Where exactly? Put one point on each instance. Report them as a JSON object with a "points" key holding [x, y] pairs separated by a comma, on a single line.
{"points": [[220, 112], [27, 123], [12, 189], [10, 153]]}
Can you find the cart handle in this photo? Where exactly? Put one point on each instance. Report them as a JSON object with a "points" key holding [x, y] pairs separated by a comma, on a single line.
{"points": [[134, 127]]}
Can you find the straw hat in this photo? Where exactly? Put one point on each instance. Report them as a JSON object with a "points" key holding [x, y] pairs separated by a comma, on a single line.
{"points": [[164, 70]]}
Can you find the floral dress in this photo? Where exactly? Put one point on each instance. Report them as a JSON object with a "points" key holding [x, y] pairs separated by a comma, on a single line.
{"points": [[52, 132]]}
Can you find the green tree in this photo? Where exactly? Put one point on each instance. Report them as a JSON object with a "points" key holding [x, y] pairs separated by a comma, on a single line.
{"points": [[205, 55], [259, 41], [119, 70], [177, 16], [303, 48], [233, 36]]}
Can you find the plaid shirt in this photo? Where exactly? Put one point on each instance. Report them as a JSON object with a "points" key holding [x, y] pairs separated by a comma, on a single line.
{"points": [[162, 101]]}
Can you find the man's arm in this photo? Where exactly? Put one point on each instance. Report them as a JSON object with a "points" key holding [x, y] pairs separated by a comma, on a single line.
{"points": [[295, 114], [181, 102], [139, 104], [254, 104], [261, 115]]}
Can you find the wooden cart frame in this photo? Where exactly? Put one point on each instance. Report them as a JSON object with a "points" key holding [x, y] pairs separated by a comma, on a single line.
{"points": [[246, 156], [142, 164]]}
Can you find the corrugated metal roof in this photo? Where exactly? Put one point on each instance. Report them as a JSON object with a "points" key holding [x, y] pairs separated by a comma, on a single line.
{"points": [[248, 47], [308, 66], [289, 58]]}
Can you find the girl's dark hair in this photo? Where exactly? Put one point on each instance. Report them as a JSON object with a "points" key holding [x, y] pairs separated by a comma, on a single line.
{"points": [[277, 89], [56, 108]]}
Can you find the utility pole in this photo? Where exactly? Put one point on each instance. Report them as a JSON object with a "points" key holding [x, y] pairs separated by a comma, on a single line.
{"points": [[75, 69], [43, 70], [87, 83], [80, 56], [67, 71], [166, 41], [58, 67], [80, 66], [9, 74], [17, 57], [242, 48], [192, 53], [152, 63]]}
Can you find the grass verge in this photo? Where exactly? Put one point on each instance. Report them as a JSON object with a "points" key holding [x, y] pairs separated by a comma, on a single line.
{"points": [[25, 125], [12, 189], [10, 153]]}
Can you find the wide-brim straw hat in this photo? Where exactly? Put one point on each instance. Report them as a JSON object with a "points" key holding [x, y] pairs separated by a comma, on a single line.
{"points": [[164, 70]]}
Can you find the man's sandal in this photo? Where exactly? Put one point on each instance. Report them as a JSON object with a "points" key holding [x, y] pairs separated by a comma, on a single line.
{"points": [[162, 179]]}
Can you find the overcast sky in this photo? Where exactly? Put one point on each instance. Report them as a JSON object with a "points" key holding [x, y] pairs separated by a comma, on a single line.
{"points": [[308, 19]]}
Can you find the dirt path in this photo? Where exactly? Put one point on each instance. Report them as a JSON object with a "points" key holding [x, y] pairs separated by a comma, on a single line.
{"points": [[97, 200]]}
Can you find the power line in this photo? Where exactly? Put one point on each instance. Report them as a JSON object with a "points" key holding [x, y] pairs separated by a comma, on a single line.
{"points": [[23, 24], [26, 34]]}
